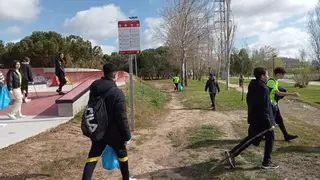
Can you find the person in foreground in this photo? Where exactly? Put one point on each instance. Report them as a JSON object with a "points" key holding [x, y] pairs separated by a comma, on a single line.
{"points": [[274, 91], [27, 77], [14, 82], [213, 87], [117, 135], [260, 118]]}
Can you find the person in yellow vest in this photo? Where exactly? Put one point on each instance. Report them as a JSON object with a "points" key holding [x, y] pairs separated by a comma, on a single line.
{"points": [[14, 82], [176, 81], [275, 95]]}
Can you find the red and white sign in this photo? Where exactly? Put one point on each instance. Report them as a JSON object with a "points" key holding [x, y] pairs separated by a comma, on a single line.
{"points": [[129, 36]]}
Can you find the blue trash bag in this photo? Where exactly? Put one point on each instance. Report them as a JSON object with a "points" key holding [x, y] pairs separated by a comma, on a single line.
{"points": [[5, 98], [180, 87], [110, 159]]}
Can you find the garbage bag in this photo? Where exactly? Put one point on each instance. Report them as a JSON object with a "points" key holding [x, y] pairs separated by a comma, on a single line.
{"points": [[5, 98], [110, 159], [180, 87]]}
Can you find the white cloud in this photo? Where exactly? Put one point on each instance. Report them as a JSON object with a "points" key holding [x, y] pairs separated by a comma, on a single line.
{"points": [[287, 41], [19, 10], [106, 49], [97, 23], [258, 16], [148, 40], [14, 41], [11, 30]]}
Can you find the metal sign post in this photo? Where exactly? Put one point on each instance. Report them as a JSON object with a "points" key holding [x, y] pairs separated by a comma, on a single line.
{"points": [[129, 43]]}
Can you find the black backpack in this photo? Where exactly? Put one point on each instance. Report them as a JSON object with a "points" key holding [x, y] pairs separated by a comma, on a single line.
{"points": [[94, 122]]}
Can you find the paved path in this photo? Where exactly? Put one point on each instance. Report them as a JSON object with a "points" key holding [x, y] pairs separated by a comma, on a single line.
{"points": [[13, 131]]}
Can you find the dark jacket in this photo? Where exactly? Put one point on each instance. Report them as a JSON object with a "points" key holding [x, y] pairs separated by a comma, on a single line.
{"points": [[213, 86], [59, 67], [26, 73], [259, 105], [118, 128], [13, 80]]}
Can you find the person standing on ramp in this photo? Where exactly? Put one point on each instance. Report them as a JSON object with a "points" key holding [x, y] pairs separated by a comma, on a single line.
{"points": [[213, 87], [60, 72], [260, 119]]}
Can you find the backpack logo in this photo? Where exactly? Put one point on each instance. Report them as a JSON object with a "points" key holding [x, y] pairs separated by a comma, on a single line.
{"points": [[89, 116], [94, 122]]}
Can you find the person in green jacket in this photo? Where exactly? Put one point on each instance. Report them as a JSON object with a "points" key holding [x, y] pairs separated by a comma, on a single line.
{"points": [[273, 85], [176, 81]]}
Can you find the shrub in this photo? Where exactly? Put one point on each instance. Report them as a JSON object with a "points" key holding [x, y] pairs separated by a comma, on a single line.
{"points": [[302, 76]]}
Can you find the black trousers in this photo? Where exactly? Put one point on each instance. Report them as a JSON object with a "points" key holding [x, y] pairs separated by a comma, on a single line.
{"points": [[279, 119], [176, 86], [62, 81], [269, 142], [213, 99], [97, 149], [25, 87]]}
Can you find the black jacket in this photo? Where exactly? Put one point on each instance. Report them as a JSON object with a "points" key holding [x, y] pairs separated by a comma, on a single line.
{"points": [[259, 105], [13, 80], [118, 128], [26, 73], [213, 86], [59, 67]]}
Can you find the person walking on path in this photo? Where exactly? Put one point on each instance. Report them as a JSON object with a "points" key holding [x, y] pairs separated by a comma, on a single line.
{"points": [[117, 135], [213, 86], [273, 85], [260, 119], [176, 81], [27, 77], [60, 72], [14, 83]]}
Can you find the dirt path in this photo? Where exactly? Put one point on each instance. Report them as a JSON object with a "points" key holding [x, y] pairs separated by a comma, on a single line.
{"points": [[160, 156]]}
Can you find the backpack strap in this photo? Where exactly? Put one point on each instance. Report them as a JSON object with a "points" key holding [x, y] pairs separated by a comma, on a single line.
{"points": [[105, 95]]}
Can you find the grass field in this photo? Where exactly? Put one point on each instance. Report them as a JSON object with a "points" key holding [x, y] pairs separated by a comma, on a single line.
{"points": [[196, 97], [308, 95], [207, 138]]}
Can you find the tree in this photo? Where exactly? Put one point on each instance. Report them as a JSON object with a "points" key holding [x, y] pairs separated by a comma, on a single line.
{"points": [[313, 25], [240, 63], [184, 22], [43, 47]]}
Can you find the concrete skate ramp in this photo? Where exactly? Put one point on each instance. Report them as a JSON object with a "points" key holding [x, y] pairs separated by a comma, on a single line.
{"points": [[45, 103]]}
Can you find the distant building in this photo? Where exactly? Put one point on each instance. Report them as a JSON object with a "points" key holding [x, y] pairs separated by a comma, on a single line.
{"points": [[290, 62]]}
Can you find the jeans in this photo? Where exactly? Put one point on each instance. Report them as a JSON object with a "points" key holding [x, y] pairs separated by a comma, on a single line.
{"points": [[278, 119], [269, 142], [213, 97], [16, 108]]}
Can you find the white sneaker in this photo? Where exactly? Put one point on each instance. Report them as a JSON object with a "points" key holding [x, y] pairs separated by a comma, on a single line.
{"points": [[130, 178], [26, 100], [12, 117], [21, 116]]}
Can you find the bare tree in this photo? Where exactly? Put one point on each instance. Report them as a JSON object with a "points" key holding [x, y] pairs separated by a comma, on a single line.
{"points": [[313, 25], [184, 22]]}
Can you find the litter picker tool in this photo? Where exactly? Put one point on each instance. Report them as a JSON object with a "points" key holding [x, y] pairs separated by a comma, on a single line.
{"points": [[249, 141], [34, 87]]}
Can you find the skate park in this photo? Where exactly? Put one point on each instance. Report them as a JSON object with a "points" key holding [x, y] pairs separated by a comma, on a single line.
{"points": [[47, 109]]}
